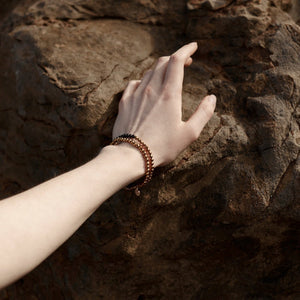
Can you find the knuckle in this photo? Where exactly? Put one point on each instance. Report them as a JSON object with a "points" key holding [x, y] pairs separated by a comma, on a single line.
{"points": [[175, 58], [169, 92], [148, 90]]}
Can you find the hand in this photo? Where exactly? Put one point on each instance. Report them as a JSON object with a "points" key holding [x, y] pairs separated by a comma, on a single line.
{"points": [[151, 108]]}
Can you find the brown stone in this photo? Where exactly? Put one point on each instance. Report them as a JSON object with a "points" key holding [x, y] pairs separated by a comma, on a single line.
{"points": [[210, 4], [222, 221]]}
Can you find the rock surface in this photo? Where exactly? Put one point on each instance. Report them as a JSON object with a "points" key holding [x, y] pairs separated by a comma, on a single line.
{"points": [[222, 221]]}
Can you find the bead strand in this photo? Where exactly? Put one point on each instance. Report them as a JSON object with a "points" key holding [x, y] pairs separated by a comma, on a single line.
{"points": [[146, 153]]}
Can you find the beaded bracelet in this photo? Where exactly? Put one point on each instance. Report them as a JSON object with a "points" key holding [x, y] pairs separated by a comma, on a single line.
{"points": [[146, 153]]}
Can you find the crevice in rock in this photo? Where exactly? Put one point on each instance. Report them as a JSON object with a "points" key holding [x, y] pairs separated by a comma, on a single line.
{"points": [[85, 98], [289, 169], [289, 127]]}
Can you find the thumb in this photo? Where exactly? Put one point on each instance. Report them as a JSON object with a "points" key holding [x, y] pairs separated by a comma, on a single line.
{"points": [[202, 115]]}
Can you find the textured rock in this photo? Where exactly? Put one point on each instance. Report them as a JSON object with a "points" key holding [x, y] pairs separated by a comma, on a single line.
{"points": [[294, 10], [222, 221], [210, 4]]}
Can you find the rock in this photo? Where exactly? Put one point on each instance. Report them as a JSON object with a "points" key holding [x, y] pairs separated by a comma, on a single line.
{"points": [[211, 4], [58, 99], [221, 222], [141, 11], [294, 11]]}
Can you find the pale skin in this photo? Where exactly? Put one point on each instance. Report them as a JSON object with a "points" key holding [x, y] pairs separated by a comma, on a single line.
{"points": [[36, 222]]}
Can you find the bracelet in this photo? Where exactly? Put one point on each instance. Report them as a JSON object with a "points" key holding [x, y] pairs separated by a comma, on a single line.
{"points": [[146, 153]]}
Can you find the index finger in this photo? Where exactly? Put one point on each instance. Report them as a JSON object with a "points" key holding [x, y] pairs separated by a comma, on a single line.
{"points": [[175, 69]]}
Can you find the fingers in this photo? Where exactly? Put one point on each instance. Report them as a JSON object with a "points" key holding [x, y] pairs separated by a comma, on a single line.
{"points": [[159, 72], [131, 88], [177, 61], [144, 82], [201, 116], [154, 79], [158, 75]]}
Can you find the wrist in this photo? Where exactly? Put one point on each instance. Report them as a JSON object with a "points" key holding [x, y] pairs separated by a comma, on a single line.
{"points": [[126, 157], [146, 154]]}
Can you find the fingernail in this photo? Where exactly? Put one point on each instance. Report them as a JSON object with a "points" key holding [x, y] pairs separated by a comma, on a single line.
{"points": [[195, 43], [212, 99]]}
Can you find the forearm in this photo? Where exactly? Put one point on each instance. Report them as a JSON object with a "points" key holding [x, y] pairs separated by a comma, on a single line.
{"points": [[36, 222]]}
